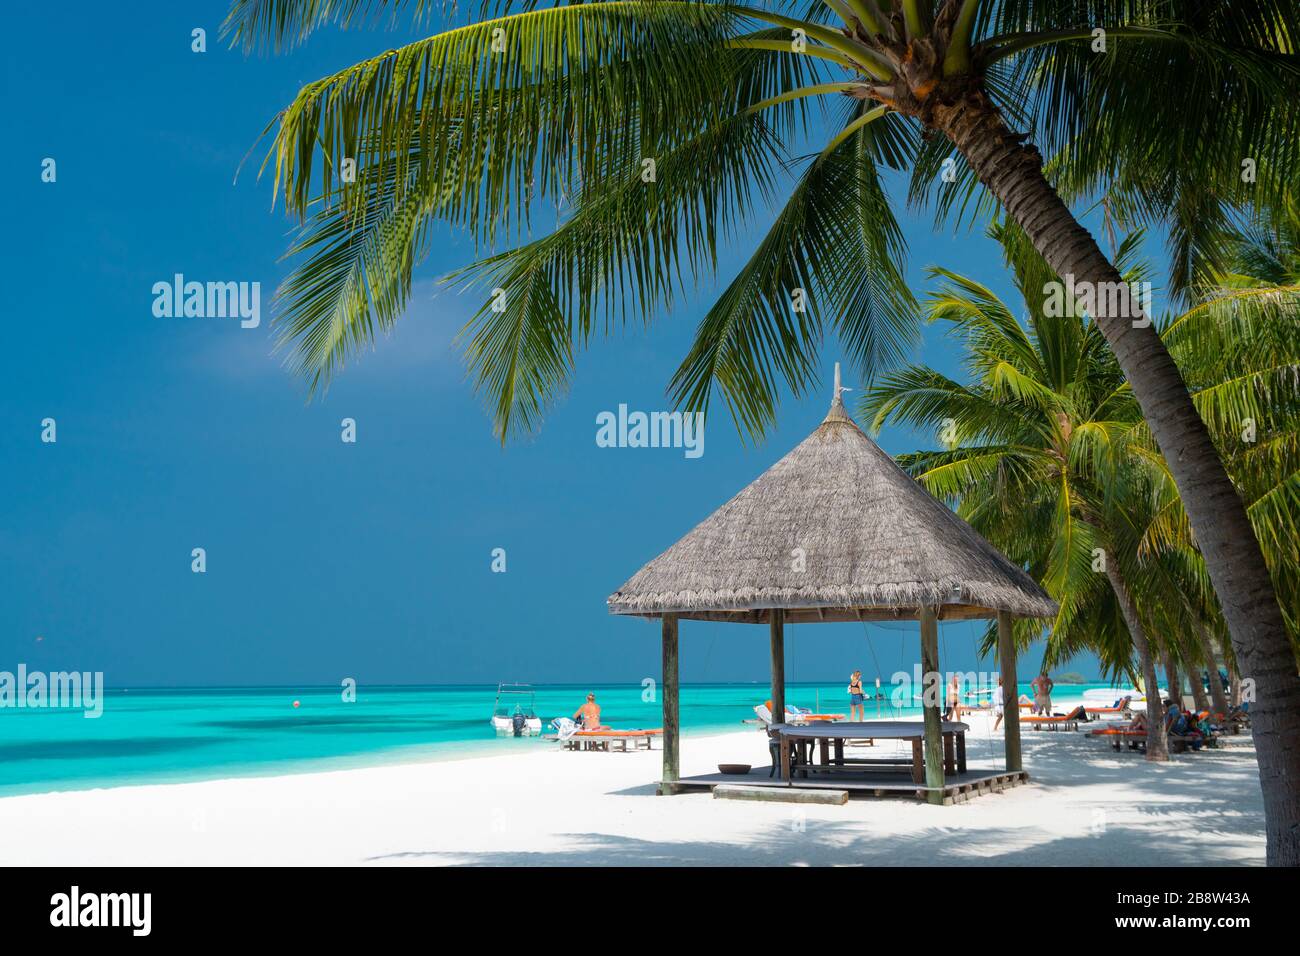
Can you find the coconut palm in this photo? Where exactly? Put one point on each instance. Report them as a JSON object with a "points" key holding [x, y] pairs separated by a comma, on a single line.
{"points": [[1239, 349], [1050, 459], [1037, 456], [659, 124]]}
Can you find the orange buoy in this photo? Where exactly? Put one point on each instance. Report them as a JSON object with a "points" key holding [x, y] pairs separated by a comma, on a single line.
{"points": [[296, 703]]}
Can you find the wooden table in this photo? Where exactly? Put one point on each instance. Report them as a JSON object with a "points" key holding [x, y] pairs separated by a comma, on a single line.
{"points": [[803, 739]]}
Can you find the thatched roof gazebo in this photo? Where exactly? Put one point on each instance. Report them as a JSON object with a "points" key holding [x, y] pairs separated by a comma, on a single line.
{"points": [[834, 531]]}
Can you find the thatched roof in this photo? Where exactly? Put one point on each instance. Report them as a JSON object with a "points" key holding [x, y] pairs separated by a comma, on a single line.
{"points": [[876, 545]]}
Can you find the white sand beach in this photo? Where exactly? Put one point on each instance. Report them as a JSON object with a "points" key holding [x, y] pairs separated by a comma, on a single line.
{"points": [[1086, 805]]}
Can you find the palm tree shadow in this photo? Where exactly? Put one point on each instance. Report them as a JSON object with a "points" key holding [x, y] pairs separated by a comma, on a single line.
{"points": [[851, 843], [1199, 809]]}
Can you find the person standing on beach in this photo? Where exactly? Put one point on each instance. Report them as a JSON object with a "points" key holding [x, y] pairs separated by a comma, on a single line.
{"points": [[953, 711], [998, 703], [1042, 685], [857, 705]]}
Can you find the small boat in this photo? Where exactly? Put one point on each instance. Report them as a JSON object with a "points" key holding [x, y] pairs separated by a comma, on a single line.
{"points": [[514, 714]]}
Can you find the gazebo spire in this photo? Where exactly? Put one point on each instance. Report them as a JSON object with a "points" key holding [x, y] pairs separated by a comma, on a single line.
{"points": [[838, 412]]}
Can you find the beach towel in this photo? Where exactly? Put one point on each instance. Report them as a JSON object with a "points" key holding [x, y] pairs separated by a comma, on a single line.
{"points": [[564, 727]]}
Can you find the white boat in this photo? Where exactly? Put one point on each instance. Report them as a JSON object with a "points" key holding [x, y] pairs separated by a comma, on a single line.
{"points": [[514, 713]]}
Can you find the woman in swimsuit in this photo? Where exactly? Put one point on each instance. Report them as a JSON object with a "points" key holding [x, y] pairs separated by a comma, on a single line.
{"points": [[953, 711], [857, 707], [998, 703]]}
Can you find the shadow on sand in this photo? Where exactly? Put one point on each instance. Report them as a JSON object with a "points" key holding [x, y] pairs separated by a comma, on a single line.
{"points": [[1199, 809]]}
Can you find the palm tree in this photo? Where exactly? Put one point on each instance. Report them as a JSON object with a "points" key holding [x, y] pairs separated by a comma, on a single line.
{"points": [[1049, 457], [1036, 456], [659, 123], [1239, 350]]}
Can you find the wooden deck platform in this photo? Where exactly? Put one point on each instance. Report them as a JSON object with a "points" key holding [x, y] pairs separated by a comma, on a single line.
{"points": [[956, 789]]}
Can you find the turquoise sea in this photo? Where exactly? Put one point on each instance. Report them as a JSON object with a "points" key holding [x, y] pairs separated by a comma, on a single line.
{"points": [[173, 735]]}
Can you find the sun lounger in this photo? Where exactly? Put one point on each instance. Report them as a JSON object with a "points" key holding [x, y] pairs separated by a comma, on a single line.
{"points": [[792, 716], [612, 740], [572, 737], [1120, 708], [1068, 721], [803, 715], [1236, 718], [1136, 739]]}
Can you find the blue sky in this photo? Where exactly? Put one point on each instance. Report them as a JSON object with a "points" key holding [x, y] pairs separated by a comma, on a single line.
{"points": [[325, 559]]}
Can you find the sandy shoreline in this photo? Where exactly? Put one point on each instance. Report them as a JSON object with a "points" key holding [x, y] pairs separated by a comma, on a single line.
{"points": [[1085, 806]]}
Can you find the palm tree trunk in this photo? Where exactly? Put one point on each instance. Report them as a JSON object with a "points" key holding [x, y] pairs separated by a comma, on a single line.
{"points": [[1199, 699], [1173, 680], [1157, 746], [1013, 172], [1217, 696]]}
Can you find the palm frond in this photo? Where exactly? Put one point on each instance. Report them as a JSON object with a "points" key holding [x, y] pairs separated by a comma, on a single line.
{"points": [[834, 249]]}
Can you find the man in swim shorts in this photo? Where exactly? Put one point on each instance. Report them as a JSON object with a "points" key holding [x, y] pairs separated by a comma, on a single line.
{"points": [[1042, 685]]}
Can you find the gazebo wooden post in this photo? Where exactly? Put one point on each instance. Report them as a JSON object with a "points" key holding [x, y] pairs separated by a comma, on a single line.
{"points": [[777, 630], [1010, 694], [930, 674], [672, 761]]}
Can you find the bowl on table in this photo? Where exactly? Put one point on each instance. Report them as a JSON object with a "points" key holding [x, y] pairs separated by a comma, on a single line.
{"points": [[734, 769]]}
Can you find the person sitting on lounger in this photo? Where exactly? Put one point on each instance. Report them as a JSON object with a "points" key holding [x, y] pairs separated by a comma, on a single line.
{"points": [[589, 714], [1139, 721], [1205, 724], [1187, 725], [1176, 720], [1182, 724]]}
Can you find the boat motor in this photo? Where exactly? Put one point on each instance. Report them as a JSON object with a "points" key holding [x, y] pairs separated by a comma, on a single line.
{"points": [[518, 723]]}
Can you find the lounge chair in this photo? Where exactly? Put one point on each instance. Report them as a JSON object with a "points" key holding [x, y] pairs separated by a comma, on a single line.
{"points": [[606, 739], [572, 737], [793, 715], [1180, 742], [1238, 717], [1136, 739], [1119, 709], [1068, 721]]}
